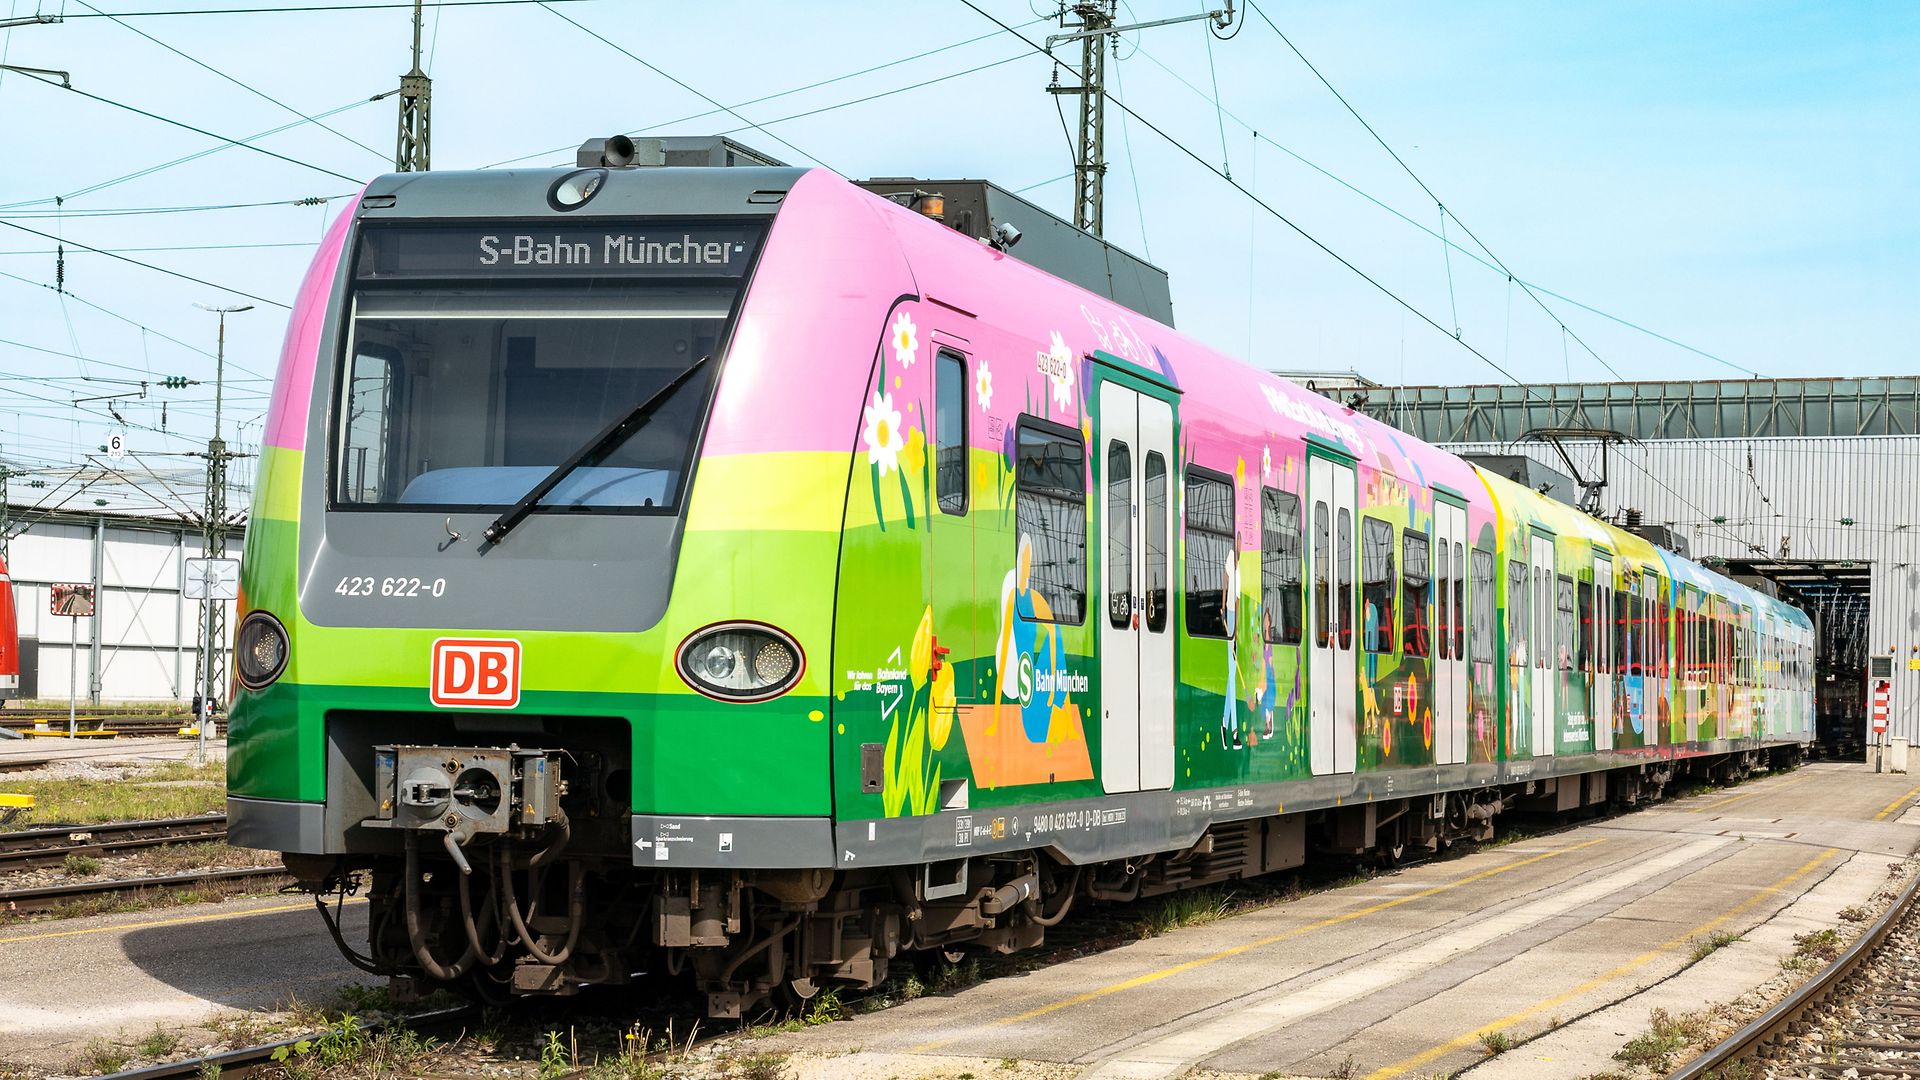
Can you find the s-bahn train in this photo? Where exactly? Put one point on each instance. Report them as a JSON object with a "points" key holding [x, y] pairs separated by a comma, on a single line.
{"points": [[732, 573], [9, 638]]}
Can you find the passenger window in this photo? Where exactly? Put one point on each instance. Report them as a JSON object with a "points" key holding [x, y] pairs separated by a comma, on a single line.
{"points": [[1377, 584], [1156, 542], [1443, 599], [1280, 566], [950, 433], [1119, 535], [1583, 649], [1050, 513], [1460, 601], [1416, 581], [1343, 566], [1210, 543], [1519, 608], [1323, 619], [1563, 604], [1482, 640]]}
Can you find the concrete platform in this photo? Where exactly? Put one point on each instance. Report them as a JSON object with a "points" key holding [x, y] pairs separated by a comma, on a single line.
{"points": [[72, 980], [1403, 975]]}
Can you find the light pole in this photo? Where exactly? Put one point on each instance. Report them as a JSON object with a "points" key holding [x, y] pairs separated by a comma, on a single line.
{"points": [[213, 536]]}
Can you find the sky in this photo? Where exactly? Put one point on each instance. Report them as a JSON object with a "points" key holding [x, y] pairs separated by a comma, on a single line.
{"points": [[1637, 191]]}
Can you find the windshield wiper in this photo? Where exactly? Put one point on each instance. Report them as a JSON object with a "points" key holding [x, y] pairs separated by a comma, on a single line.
{"points": [[609, 436]]}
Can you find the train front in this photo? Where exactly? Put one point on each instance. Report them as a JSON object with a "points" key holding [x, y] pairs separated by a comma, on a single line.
{"points": [[538, 590]]}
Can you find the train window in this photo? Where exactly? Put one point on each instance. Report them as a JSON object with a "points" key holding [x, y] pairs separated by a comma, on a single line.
{"points": [[1583, 644], [1377, 583], [1565, 646], [1280, 566], [1156, 568], [1343, 563], [1416, 587], [1443, 599], [495, 385], [950, 402], [1210, 544], [1460, 600], [1543, 617], [1482, 639], [1323, 620], [1050, 512], [1119, 535], [1519, 608]]}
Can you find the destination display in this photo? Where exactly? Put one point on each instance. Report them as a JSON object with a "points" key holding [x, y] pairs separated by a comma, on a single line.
{"points": [[669, 249]]}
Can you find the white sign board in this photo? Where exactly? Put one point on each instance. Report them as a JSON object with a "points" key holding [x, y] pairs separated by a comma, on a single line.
{"points": [[116, 446], [212, 579]]}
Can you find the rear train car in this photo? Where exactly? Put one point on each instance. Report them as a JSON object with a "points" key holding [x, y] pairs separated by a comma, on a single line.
{"points": [[735, 574]]}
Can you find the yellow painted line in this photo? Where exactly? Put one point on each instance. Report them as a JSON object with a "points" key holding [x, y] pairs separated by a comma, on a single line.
{"points": [[1285, 935], [181, 921], [1896, 804], [1472, 1038]]}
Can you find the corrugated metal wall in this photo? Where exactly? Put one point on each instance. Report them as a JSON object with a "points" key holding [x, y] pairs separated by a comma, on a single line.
{"points": [[1773, 497]]}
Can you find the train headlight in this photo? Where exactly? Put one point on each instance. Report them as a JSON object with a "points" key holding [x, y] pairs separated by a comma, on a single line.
{"points": [[260, 650], [740, 662]]}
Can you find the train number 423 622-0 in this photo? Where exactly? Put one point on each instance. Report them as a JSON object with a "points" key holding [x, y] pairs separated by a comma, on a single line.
{"points": [[393, 586]]}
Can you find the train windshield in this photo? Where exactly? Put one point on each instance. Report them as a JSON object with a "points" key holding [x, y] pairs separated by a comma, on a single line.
{"points": [[466, 381]]}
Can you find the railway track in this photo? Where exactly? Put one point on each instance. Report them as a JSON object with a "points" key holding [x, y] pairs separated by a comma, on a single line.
{"points": [[125, 724], [51, 845], [43, 898], [1859, 1017], [232, 1064]]}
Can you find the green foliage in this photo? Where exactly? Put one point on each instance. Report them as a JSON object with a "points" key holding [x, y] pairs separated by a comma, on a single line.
{"points": [[1191, 907], [80, 865], [1821, 945], [553, 1056], [827, 1008], [759, 1067], [159, 1043], [1496, 1042], [1703, 947], [1667, 1035], [101, 1056]]}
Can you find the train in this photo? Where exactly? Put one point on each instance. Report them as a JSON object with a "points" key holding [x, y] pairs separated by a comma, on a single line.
{"points": [[9, 638], [736, 576]]}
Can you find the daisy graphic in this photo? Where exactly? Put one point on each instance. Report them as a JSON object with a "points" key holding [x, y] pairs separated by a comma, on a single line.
{"points": [[906, 340], [882, 433], [1266, 463], [1060, 365], [983, 386]]}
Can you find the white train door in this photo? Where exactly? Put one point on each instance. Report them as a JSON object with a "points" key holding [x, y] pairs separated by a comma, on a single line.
{"points": [[1136, 625], [1449, 639], [1545, 644], [1601, 701], [1333, 690]]}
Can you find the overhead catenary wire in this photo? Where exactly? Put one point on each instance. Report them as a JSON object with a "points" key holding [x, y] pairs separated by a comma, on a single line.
{"points": [[150, 266], [1276, 214], [1255, 8], [255, 91]]}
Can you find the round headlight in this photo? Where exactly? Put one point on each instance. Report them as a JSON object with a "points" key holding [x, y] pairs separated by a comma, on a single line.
{"points": [[740, 662], [259, 650], [575, 188]]}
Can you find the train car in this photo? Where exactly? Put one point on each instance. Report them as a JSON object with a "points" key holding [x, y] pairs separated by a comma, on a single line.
{"points": [[735, 574], [9, 638]]}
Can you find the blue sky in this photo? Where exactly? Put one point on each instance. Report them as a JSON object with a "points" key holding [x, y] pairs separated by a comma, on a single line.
{"points": [[1738, 177]]}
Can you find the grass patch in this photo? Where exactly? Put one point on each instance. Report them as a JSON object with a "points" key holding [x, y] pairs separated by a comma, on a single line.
{"points": [[1496, 1042], [169, 790], [1666, 1035], [1821, 945], [80, 865], [1703, 947], [101, 1056], [1193, 907]]}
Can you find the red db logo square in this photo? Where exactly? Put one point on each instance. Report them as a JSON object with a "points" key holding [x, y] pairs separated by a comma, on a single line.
{"points": [[476, 673]]}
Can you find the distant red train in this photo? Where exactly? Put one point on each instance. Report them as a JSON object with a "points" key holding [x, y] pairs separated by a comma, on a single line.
{"points": [[9, 638]]}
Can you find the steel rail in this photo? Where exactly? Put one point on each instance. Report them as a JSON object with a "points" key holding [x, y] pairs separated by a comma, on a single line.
{"points": [[50, 845], [48, 897], [1815, 990]]}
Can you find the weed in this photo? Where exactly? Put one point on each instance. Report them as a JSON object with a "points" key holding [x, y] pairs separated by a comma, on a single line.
{"points": [[1195, 907], [80, 865], [553, 1055], [159, 1043], [1496, 1042], [1704, 947], [1344, 1070], [1855, 914], [759, 1067], [783, 1026], [950, 977], [361, 998], [1737, 1070], [1009, 1062], [826, 1008], [209, 1070], [1667, 1035], [99, 1057], [1821, 945]]}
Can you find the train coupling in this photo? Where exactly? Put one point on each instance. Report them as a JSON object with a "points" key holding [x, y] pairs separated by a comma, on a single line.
{"points": [[464, 792]]}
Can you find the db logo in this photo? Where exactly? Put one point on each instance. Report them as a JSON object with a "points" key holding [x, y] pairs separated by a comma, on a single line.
{"points": [[476, 673]]}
